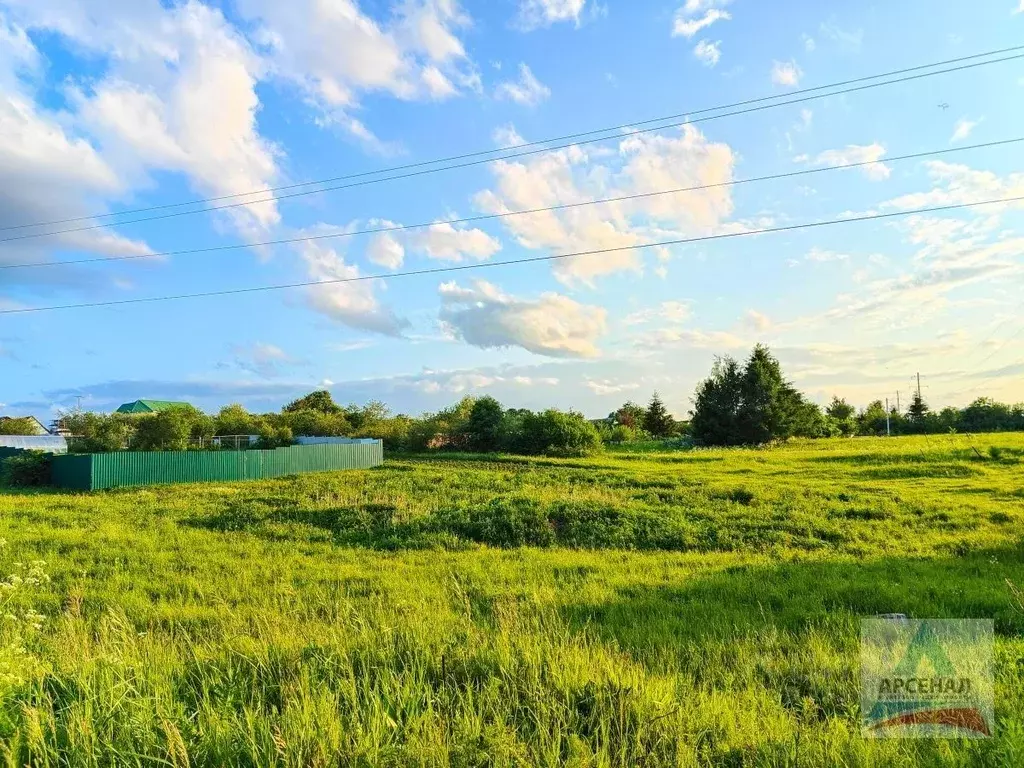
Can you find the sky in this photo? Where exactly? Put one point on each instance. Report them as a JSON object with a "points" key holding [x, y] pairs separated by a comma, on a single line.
{"points": [[110, 106]]}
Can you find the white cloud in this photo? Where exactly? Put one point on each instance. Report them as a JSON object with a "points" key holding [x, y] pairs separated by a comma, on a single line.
{"points": [[786, 73], [643, 163], [757, 321], [688, 27], [609, 387], [552, 325], [384, 248], [852, 154], [443, 241], [354, 304], [335, 52], [696, 15], [963, 129], [707, 53], [543, 13], [954, 184], [178, 94], [1020, 8], [506, 137], [46, 173], [528, 90], [670, 311], [809, 44], [821, 255]]}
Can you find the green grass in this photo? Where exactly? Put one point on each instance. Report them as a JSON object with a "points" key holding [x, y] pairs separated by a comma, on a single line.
{"points": [[675, 608]]}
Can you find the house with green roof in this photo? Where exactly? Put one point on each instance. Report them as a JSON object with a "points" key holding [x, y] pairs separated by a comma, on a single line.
{"points": [[150, 406]]}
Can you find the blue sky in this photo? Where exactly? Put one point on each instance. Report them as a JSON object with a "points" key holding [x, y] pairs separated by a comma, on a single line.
{"points": [[108, 105]]}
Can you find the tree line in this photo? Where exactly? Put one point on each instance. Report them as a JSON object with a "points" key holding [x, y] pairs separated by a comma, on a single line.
{"points": [[739, 403]]}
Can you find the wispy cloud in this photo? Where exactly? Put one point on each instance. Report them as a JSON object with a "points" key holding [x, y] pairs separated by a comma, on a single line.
{"points": [[527, 90], [708, 53], [963, 129], [786, 73]]}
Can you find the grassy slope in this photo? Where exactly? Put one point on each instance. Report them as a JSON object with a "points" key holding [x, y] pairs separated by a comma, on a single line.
{"points": [[242, 624]]}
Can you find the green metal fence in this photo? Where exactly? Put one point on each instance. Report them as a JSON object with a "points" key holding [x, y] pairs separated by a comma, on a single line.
{"points": [[88, 472]]}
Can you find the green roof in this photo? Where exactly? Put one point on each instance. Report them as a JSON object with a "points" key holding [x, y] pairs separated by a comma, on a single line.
{"points": [[149, 406]]}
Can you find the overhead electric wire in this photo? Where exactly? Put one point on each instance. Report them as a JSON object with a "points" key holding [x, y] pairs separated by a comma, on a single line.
{"points": [[517, 154], [510, 262], [506, 214]]}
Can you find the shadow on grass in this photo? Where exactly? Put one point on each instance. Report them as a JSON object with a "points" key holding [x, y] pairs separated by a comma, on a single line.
{"points": [[794, 597]]}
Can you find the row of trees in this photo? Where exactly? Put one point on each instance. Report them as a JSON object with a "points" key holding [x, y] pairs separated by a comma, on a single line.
{"points": [[983, 415], [473, 424], [748, 403]]}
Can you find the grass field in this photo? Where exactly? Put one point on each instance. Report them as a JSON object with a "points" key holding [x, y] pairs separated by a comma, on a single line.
{"points": [[635, 609]]}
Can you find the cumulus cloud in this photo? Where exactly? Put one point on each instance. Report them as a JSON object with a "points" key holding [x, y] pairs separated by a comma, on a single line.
{"points": [[853, 154], [786, 73], [178, 94], [707, 53], [441, 240], [642, 163], [552, 325], [48, 173], [696, 15], [354, 304], [335, 52], [527, 90], [534, 14], [963, 129]]}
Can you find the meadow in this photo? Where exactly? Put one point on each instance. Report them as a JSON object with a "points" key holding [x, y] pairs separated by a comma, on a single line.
{"points": [[638, 608]]}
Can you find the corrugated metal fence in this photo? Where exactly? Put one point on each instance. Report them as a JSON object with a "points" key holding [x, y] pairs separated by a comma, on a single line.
{"points": [[87, 472]]}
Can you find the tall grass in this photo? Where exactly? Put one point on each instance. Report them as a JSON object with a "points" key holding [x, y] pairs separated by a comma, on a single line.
{"points": [[686, 608]]}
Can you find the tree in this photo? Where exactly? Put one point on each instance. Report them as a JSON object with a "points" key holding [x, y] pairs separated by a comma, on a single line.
{"points": [[18, 427], [235, 420], [752, 406], [657, 420], [629, 415], [171, 430], [483, 429], [717, 404], [842, 415], [840, 410], [320, 400], [768, 403], [918, 409], [872, 420]]}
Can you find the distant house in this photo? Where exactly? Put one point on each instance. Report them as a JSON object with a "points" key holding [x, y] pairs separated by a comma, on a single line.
{"points": [[35, 424], [150, 406]]}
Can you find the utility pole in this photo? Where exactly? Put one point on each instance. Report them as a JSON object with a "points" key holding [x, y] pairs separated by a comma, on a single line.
{"points": [[888, 433], [918, 385], [78, 408], [898, 402]]}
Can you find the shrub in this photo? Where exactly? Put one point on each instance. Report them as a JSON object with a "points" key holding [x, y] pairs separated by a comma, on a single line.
{"points": [[172, 429], [99, 432], [28, 468]]}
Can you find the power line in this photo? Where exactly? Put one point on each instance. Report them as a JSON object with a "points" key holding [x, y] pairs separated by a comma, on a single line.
{"points": [[491, 216], [529, 260], [511, 156]]}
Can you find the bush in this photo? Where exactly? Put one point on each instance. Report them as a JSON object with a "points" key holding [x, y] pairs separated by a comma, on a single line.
{"points": [[555, 433], [99, 432], [172, 429], [394, 432], [28, 468]]}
